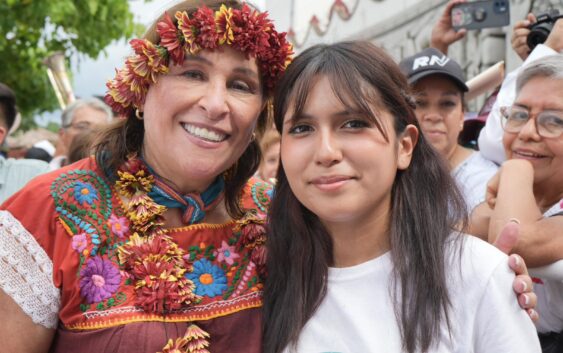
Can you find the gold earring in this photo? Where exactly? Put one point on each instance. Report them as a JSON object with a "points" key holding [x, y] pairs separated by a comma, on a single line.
{"points": [[138, 114], [253, 137]]}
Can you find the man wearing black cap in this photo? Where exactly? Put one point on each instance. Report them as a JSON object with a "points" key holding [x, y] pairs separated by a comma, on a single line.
{"points": [[14, 173], [439, 86]]}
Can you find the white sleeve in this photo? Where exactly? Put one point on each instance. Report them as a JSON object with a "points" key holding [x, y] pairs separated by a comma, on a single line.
{"points": [[550, 306], [490, 138], [500, 324], [27, 272]]}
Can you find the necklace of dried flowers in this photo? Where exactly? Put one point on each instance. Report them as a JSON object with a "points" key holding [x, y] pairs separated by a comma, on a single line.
{"points": [[155, 264], [152, 261]]}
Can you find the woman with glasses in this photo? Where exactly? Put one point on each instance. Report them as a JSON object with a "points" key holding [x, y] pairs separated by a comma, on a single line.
{"points": [[529, 186]]}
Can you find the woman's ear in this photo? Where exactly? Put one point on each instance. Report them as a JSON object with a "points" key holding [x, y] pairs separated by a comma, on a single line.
{"points": [[406, 144]]}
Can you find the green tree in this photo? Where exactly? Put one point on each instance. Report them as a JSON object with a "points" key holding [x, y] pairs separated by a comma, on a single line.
{"points": [[30, 30]]}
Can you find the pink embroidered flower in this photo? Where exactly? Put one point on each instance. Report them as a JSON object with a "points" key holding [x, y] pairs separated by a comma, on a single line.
{"points": [[99, 279], [79, 242], [119, 225], [226, 253]]}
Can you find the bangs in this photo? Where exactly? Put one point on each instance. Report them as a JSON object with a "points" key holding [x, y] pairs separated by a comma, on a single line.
{"points": [[352, 90]]}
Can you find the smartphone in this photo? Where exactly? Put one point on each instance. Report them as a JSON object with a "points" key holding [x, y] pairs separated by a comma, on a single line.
{"points": [[481, 14]]}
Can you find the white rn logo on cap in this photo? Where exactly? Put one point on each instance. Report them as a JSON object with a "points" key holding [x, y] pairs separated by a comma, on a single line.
{"points": [[430, 60]]}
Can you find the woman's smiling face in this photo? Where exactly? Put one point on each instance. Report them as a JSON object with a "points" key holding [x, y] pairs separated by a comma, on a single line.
{"points": [[337, 161], [199, 117]]}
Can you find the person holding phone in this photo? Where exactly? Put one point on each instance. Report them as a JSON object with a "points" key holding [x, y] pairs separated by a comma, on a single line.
{"points": [[443, 35]]}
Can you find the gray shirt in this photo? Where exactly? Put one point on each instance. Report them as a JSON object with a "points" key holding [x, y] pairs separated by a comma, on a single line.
{"points": [[15, 173]]}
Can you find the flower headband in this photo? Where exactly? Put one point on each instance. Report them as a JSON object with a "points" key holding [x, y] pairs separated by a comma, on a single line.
{"points": [[245, 30]]}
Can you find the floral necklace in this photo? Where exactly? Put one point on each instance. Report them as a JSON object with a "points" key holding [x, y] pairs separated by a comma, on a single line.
{"points": [[152, 260], [155, 264]]}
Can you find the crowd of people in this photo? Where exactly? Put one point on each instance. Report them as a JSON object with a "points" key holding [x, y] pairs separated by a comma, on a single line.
{"points": [[228, 196]]}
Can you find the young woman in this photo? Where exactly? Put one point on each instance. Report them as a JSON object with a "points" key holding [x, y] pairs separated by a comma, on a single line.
{"points": [[362, 255], [156, 244]]}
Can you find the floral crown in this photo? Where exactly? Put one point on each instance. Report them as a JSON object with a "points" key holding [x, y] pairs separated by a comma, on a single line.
{"points": [[245, 30]]}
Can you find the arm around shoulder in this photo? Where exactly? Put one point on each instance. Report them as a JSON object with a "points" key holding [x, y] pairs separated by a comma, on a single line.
{"points": [[500, 324]]}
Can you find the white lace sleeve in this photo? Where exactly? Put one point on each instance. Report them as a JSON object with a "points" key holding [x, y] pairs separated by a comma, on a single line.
{"points": [[27, 272]]}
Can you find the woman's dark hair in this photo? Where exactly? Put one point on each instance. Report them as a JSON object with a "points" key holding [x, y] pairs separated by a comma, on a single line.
{"points": [[421, 219], [125, 137]]}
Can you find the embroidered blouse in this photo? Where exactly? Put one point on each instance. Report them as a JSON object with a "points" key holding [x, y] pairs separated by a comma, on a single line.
{"points": [[58, 256]]}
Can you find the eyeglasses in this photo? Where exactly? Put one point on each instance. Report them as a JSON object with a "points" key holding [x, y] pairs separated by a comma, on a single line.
{"points": [[548, 123]]}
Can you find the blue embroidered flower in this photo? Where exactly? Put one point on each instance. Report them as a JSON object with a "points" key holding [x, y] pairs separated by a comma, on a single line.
{"points": [[85, 192], [209, 279]]}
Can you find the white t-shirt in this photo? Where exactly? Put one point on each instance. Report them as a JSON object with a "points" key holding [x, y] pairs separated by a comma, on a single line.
{"points": [[472, 176], [550, 294], [357, 315]]}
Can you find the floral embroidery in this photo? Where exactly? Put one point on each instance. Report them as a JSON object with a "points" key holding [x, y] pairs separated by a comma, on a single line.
{"points": [[79, 242], [99, 280], [226, 253], [138, 263], [85, 192], [209, 279], [261, 195], [118, 225]]}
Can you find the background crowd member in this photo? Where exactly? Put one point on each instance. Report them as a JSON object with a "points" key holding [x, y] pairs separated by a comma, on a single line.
{"points": [[529, 185], [443, 35], [439, 86], [490, 138], [82, 145], [156, 245], [14, 173], [80, 116], [270, 149], [362, 254]]}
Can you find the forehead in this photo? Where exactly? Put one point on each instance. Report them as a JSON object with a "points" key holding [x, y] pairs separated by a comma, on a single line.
{"points": [[222, 57], [438, 84], [87, 113], [544, 92]]}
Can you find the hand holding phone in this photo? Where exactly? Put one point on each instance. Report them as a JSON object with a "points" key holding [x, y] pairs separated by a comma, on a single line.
{"points": [[481, 14]]}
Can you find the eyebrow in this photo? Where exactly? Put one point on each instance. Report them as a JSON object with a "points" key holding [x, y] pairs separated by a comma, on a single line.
{"points": [[239, 70], [304, 116]]}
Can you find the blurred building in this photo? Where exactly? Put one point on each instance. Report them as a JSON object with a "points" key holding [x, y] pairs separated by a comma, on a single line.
{"points": [[402, 27]]}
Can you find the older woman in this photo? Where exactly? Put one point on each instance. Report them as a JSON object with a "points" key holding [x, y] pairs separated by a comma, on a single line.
{"points": [[156, 244], [529, 185]]}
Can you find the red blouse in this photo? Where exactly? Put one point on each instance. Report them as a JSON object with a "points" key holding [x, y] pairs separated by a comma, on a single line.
{"points": [[75, 215]]}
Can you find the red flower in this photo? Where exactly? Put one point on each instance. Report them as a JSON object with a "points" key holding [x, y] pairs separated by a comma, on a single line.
{"points": [[171, 39], [250, 30], [204, 20]]}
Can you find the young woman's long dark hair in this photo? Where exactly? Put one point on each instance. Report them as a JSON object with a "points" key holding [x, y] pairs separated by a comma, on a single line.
{"points": [[426, 207]]}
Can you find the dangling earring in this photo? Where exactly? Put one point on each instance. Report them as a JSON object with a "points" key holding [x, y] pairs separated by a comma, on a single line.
{"points": [[138, 114], [253, 137]]}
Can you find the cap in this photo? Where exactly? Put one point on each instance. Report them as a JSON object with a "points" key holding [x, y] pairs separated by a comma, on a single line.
{"points": [[431, 61]]}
